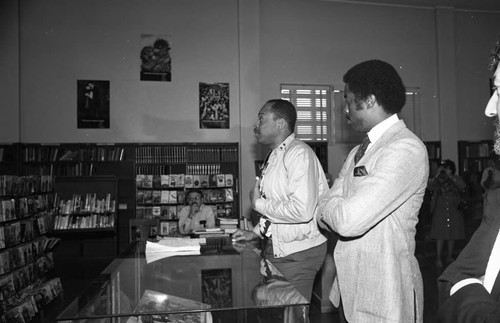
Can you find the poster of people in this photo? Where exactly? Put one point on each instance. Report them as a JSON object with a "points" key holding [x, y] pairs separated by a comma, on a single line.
{"points": [[214, 105], [156, 63], [92, 104]]}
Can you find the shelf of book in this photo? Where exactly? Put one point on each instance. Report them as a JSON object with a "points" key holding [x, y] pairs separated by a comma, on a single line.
{"points": [[433, 150], [26, 257], [198, 162], [166, 173], [473, 158], [9, 159], [86, 215]]}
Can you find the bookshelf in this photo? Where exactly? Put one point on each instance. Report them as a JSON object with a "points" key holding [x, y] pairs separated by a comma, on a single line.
{"points": [[26, 258], [9, 159], [74, 160], [321, 150], [85, 221], [473, 158], [194, 162], [165, 173], [433, 151]]}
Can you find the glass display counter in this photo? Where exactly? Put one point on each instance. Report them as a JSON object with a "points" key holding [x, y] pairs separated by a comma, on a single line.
{"points": [[225, 283]]}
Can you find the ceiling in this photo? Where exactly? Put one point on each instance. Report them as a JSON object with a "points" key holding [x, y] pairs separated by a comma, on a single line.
{"points": [[476, 5]]}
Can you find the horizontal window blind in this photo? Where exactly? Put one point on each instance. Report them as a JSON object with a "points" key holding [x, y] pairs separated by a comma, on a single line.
{"points": [[313, 103]]}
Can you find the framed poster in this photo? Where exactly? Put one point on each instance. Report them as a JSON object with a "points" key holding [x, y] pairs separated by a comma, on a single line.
{"points": [[92, 104], [214, 105], [169, 228], [156, 63]]}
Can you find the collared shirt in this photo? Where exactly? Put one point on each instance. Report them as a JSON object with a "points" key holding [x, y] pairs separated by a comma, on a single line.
{"points": [[291, 188], [187, 225], [376, 132], [493, 266]]}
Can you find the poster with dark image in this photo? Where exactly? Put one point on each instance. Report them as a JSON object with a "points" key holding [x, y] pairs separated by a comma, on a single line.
{"points": [[156, 63], [216, 287], [214, 105], [93, 104]]}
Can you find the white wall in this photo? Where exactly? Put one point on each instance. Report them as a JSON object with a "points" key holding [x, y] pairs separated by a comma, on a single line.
{"points": [[253, 45], [65, 41], [9, 68], [317, 42], [476, 34]]}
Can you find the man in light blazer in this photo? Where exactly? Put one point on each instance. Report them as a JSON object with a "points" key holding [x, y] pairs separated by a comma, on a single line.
{"points": [[470, 286], [374, 203]]}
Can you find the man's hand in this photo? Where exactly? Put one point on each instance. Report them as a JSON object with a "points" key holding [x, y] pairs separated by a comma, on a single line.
{"points": [[195, 208], [244, 235]]}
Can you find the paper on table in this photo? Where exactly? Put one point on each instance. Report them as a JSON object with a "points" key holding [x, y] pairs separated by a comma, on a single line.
{"points": [[170, 248]]}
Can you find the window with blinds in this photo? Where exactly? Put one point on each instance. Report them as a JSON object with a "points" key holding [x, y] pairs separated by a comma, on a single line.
{"points": [[313, 103]]}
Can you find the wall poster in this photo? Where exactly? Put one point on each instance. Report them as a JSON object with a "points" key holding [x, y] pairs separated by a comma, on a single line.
{"points": [[93, 104], [214, 105], [156, 63]]}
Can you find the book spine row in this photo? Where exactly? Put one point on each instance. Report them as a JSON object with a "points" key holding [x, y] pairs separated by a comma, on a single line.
{"points": [[57, 153], [478, 150], [87, 221], [24, 207], [88, 204], [212, 154], [26, 309], [23, 185], [160, 154], [15, 233], [73, 169]]}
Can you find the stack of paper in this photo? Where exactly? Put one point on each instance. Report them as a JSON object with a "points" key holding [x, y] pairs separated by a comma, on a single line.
{"points": [[171, 247]]}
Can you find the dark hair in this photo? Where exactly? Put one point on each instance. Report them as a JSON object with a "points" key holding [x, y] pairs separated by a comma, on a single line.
{"points": [[449, 164], [284, 109], [494, 56], [380, 79], [194, 191]]}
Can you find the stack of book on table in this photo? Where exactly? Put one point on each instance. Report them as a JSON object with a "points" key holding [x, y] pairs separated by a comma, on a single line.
{"points": [[229, 225], [211, 233]]}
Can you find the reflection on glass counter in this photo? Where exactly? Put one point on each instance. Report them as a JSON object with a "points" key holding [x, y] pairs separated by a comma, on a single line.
{"points": [[226, 282]]}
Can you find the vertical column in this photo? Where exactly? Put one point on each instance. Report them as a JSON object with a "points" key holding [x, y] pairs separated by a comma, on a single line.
{"points": [[446, 78]]}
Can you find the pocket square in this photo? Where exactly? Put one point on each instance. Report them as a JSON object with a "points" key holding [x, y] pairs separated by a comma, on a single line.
{"points": [[360, 171]]}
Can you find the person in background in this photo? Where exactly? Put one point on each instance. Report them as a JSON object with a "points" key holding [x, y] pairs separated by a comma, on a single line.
{"points": [[286, 195], [196, 215], [470, 286], [374, 203], [447, 214], [490, 182]]}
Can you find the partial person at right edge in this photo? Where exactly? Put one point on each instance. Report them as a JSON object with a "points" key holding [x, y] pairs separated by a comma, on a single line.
{"points": [[470, 286]]}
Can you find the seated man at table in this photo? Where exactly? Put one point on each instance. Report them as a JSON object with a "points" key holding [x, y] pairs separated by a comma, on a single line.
{"points": [[196, 215]]}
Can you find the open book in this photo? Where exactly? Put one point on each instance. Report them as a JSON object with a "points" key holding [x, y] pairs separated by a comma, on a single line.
{"points": [[170, 247]]}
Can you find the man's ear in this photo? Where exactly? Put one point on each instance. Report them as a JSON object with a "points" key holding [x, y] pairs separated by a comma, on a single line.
{"points": [[281, 124], [370, 101]]}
